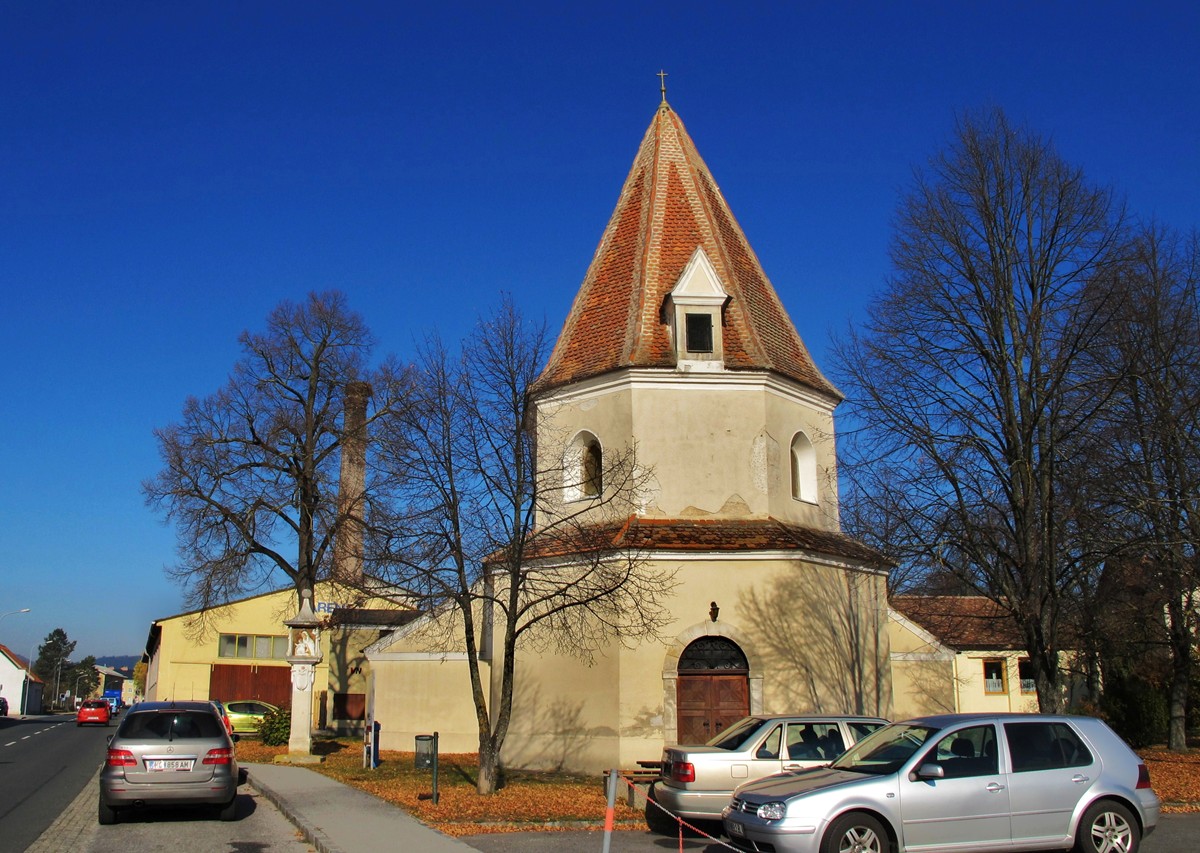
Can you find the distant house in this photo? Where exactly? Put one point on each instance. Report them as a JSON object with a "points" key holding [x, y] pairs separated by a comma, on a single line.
{"points": [[956, 653], [16, 680], [239, 651], [116, 679]]}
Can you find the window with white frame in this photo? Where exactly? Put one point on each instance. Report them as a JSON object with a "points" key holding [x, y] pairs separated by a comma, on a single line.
{"points": [[804, 469], [583, 468]]}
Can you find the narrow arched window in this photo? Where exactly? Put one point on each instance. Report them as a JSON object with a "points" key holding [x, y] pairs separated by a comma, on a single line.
{"points": [[583, 468], [804, 469]]}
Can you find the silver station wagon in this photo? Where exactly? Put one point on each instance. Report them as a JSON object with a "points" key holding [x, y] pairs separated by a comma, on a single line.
{"points": [[697, 781], [979, 782], [169, 754]]}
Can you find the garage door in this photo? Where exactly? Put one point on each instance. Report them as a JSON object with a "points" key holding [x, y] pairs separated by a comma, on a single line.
{"points": [[251, 681]]}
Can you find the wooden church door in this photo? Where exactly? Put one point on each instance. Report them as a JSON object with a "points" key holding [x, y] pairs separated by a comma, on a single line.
{"points": [[713, 688]]}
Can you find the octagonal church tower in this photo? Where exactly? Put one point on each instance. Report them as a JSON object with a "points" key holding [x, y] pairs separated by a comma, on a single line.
{"points": [[677, 341], [677, 352], [677, 347]]}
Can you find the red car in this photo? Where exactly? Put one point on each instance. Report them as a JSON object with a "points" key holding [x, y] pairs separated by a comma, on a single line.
{"points": [[93, 711]]}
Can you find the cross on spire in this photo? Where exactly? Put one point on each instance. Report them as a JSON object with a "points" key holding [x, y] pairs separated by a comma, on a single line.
{"points": [[662, 81]]}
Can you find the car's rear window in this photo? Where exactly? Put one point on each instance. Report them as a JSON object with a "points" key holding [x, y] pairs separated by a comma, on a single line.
{"points": [[95, 703], [169, 725], [736, 735]]}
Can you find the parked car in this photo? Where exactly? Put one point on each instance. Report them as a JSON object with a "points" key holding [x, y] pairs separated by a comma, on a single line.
{"points": [[697, 781], [93, 711], [3, 707], [169, 754], [246, 714], [958, 781]]}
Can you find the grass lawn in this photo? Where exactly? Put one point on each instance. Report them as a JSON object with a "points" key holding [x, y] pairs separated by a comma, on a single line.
{"points": [[549, 801]]}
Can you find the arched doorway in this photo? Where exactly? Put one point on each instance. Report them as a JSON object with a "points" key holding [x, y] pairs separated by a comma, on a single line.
{"points": [[713, 689]]}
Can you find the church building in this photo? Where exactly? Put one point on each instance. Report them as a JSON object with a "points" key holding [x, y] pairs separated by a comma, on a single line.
{"points": [[678, 346]]}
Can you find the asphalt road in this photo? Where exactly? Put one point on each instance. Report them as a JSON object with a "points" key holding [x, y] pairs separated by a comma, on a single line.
{"points": [[48, 791], [44, 763]]}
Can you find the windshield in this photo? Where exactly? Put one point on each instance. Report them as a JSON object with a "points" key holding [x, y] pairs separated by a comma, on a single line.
{"points": [[886, 750], [736, 735]]}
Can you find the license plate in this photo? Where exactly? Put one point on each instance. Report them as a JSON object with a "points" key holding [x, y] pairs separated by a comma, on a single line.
{"points": [[160, 764], [735, 830]]}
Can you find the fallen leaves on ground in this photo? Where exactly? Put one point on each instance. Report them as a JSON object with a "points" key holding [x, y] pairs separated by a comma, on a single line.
{"points": [[1175, 777], [528, 800], [550, 801]]}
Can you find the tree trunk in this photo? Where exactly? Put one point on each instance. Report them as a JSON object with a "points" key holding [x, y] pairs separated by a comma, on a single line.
{"points": [[1181, 678], [1047, 679], [489, 766]]}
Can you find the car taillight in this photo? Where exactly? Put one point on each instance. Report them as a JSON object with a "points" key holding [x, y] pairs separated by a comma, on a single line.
{"points": [[218, 756], [1143, 776], [683, 771], [120, 758]]}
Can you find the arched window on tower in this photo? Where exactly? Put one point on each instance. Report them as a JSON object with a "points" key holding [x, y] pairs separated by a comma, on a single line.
{"points": [[592, 481], [804, 469], [583, 468]]}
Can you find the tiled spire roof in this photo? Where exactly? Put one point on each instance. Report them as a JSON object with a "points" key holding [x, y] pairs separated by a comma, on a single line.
{"points": [[669, 206]]}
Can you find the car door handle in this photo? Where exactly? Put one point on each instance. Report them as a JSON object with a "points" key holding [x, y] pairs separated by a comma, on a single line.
{"points": [[995, 787], [1079, 779]]}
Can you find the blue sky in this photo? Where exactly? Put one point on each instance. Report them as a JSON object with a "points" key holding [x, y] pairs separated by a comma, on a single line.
{"points": [[169, 172]]}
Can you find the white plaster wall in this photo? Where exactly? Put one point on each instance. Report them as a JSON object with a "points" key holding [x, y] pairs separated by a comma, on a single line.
{"points": [[716, 444]]}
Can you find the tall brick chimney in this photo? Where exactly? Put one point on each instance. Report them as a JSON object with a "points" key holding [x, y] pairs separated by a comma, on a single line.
{"points": [[348, 546]]}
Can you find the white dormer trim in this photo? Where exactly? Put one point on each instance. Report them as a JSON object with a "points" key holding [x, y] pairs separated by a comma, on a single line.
{"points": [[699, 283], [699, 295]]}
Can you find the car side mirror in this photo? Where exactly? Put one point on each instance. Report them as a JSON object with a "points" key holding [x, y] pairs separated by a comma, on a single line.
{"points": [[929, 770], [236, 738]]}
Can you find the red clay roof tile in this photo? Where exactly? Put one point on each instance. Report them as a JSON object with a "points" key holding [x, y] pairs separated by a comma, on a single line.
{"points": [[669, 206], [962, 621], [703, 534]]}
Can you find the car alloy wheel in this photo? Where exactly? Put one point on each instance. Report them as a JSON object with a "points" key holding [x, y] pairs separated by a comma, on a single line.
{"points": [[855, 833], [1108, 827]]}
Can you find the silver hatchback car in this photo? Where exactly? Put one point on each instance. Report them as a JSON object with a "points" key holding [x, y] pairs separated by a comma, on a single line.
{"points": [[979, 782], [169, 754]]}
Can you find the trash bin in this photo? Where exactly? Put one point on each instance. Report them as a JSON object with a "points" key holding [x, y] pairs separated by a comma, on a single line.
{"points": [[426, 750]]}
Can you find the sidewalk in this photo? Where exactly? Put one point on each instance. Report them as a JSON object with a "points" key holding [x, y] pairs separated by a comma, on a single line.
{"points": [[336, 818]]}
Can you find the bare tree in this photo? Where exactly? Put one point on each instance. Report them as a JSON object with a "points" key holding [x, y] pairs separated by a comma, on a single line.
{"points": [[250, 473], [1146, 479], [478, 539], [962, 381]]}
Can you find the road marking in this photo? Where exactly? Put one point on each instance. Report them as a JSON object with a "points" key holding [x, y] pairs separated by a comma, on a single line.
{"points": [[10, 743]]}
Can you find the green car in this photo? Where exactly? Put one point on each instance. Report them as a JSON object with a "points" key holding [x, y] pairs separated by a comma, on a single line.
{"points": [[246, 714]]}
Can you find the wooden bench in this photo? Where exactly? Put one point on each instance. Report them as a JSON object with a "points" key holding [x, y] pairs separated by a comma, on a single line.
{"points": [[646, 774]]}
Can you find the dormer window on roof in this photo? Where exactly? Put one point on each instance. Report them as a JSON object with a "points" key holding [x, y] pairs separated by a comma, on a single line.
{"points": [[699, 333], [694, 312]]}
